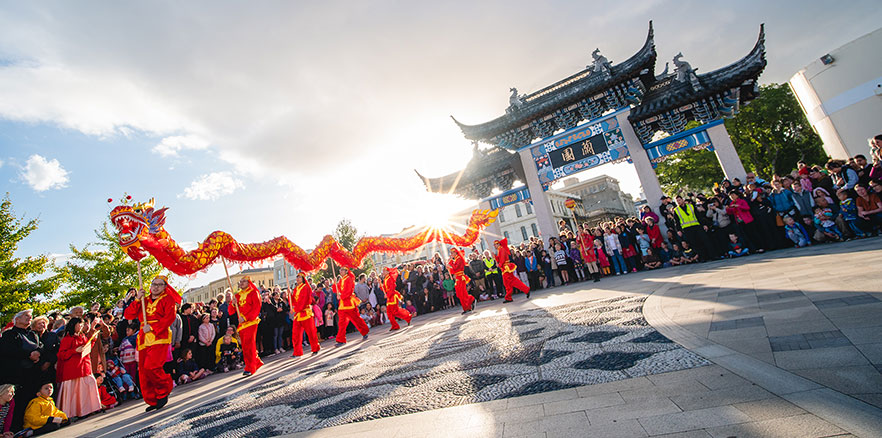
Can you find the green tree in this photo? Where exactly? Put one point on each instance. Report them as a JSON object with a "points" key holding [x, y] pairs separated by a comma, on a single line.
{"points": [[694, 171], [20, 284], [347, 235], [102, 272], [772, 134]]}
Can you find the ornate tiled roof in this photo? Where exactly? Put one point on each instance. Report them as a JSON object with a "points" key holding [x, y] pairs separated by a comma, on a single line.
{"points": [[562, 105], [670, 93], [488, 169]]}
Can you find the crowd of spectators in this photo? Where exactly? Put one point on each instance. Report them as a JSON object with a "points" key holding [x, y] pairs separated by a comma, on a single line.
{"points": [[91, 355]]}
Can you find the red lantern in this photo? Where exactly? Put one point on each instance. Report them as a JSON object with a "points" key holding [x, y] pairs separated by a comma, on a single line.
{"points": [[570, 203], [109, 200]]}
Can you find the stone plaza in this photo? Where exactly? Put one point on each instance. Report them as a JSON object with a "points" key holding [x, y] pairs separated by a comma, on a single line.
{"points": [[783, 344]]}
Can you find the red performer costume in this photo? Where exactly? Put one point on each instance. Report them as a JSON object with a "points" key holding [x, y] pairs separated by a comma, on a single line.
{"points": [[248, 299], [347, 308], [153, 345], [509, 269], [304, 320], [456, 267], [393, 298]]}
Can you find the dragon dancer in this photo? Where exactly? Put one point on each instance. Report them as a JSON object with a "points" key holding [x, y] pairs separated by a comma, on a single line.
{"points": [[393, 298], [154, 340], [509, 279], [456, 267], [304, 320], [347, 310], [248, 298]]}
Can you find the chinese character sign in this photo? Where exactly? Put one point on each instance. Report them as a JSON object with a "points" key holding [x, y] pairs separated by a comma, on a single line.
{"points": [[578, 149]]}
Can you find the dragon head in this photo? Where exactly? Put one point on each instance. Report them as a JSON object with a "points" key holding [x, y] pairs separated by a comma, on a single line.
{"points": [[135, 221], [482, 218]]}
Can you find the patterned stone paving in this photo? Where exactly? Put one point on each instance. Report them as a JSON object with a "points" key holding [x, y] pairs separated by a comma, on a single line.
{"points": [[445, 364]]}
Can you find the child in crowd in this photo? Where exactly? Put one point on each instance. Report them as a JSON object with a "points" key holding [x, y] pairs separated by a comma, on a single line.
{"points": [[664, 255], [120, 378], [410, 308], [689, 254], [107, 401], [602, 259], [329, 321], [128, 354], [576, 257], [41, 415], [676, 255], [651, 260], [849, 212], [7, 408], [560, 256], [227, 352], [795, 232], [825, 224], [736, 248], [484, 296], [809, 225], [188, 370], [643, 242]]}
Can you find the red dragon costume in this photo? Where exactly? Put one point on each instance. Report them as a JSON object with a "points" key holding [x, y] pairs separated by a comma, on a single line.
{"points": [[141, 228], [393, 299], [456, 267], [304, 320], [249, 306], [509, 270], [347, 308], [153, 347]]}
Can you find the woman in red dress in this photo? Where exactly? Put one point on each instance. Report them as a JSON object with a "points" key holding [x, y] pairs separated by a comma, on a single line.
{"points": [[79, 390]]}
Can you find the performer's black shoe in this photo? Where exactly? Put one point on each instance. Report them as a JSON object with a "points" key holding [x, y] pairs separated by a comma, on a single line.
{"points": [[247, 373], [314, 353], [150, 408], [507, 301], [364, 338], [392, 329], [339, 344], [528, 295], [408, 323], [465, 311]]}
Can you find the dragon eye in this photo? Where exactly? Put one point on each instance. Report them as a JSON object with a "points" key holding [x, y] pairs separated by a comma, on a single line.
{"points": [[137, 210]]}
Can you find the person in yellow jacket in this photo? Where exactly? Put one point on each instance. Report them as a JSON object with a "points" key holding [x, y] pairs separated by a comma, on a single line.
{"points": [[226, 351], [41, 415]]}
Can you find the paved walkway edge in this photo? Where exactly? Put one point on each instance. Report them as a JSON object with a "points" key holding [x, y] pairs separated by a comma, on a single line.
{"points": [[848, 413]]}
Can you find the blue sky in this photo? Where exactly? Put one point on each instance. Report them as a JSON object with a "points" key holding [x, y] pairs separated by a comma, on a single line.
{"points": [[282, 118]]}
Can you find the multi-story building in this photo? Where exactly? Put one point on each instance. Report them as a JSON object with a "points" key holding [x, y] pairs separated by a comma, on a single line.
{"points": [[602, 198], [261, 277]]}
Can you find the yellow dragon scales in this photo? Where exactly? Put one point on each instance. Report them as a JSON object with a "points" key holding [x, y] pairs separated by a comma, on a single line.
{"points": [[140, 228]]}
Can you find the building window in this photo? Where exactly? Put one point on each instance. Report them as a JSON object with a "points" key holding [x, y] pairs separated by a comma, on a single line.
{"points": [[535, 230], [524, 233], [529, 208], [553, 210], [505, 233], [501, 215], [518, 210]]}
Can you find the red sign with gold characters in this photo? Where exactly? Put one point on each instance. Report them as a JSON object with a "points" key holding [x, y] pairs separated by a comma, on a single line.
{"points": [[570, 203]]}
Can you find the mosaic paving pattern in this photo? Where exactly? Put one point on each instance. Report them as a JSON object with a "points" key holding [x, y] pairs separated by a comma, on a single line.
{"points": [[446, 364]]}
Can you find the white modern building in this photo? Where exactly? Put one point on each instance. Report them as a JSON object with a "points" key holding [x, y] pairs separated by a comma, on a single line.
{"points": [[841, 94]]}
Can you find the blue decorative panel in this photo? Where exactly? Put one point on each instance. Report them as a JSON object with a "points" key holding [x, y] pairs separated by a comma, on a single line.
{"points": [[695, 139], [581, 148], [510, 197]]}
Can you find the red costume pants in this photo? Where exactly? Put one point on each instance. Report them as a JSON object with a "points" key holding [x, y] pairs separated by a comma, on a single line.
{"points": [[462, 293], [510, 281], [249, 348], [346, 316], [394, 311], [307, 325], [155, 382]]}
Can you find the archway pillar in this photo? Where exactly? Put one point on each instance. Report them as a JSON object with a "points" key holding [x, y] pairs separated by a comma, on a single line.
{"points": [[541, 206], [726, 153], [645, 172]]}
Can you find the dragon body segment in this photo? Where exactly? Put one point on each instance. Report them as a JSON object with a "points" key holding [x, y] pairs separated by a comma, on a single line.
{"points": [[141, 230]]}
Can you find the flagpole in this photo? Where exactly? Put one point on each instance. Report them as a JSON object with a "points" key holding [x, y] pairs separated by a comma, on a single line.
{"points": [[230, 284], [143, 298]]}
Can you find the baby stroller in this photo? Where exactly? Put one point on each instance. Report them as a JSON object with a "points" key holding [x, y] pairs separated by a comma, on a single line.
{"points": [[116, 386]]}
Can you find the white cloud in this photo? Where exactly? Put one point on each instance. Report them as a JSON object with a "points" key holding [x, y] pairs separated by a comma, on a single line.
{"points": [[212, 186], [1, 163], [170, 146], [42, 174]]}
